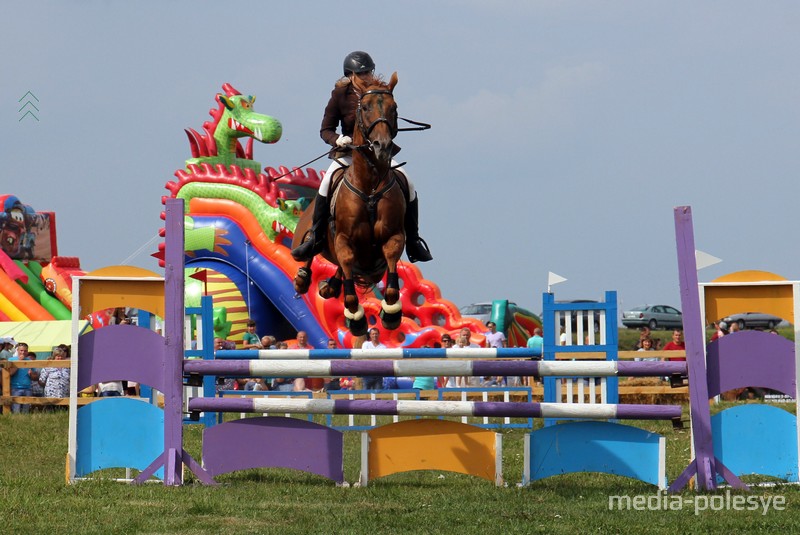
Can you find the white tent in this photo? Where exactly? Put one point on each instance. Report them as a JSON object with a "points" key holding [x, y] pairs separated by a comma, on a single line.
{"points": [[41, 336]]}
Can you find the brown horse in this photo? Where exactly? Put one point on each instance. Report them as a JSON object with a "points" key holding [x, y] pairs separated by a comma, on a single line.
{"points": [[368, 237]]}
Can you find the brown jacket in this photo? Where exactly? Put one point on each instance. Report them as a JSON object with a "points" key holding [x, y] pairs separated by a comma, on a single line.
{"points": [[341, 110]]}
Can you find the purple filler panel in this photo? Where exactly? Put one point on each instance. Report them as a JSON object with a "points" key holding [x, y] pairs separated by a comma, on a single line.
{"points": [[274, 442], [750, 358], [121, 353]]}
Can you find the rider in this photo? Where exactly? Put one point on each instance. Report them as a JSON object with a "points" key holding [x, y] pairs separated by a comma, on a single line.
{"points": [[341, 109]]}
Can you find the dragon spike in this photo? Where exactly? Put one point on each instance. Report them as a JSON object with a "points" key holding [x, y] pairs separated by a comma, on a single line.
{"points": [[211, 145], [239, 150], [248, 151], [230, 90], [193, 142], [252, 98]]}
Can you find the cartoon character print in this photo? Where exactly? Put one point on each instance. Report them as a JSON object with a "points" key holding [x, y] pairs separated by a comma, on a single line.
{"points": [[12, 226]]}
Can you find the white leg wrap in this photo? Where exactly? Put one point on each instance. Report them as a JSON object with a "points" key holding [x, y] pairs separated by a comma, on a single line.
{"points": [[391, 309], [354, 317]]}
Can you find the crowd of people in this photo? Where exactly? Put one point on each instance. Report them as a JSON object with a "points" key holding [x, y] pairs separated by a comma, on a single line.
{"points": [[48, 382]]}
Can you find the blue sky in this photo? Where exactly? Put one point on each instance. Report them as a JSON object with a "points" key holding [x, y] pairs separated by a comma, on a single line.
{"points": [[564, 133]]}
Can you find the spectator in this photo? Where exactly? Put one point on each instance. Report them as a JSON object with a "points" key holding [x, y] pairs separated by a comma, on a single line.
{"points": [[722, 330], [21, 379], [494, 338], [268, 342], [6, 348], [676, 344], [647, 345], [644, 332], [374, 342], [55, 380], [110, 389], [36, 389], [118, 317], [733, 328], [226, 383], [535, 343], [464, 341], [250, 340]]}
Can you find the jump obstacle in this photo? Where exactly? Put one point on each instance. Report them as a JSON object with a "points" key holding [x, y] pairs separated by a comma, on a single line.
{"points": [[272, 441]]}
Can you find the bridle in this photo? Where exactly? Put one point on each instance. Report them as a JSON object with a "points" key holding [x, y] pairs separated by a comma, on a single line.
{"points": [[367, 130]]}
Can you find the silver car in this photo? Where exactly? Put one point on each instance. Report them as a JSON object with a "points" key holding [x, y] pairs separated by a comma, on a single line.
{"points": [[653, 316], [753, 320]]}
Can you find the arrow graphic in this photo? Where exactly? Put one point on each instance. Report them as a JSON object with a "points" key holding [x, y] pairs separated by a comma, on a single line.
{"points": [[26, 94], [29, 102]]}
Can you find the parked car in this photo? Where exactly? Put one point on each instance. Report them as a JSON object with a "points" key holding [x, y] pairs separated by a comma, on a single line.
{"points": [[653, 316], [480, 311], [753, 320]]}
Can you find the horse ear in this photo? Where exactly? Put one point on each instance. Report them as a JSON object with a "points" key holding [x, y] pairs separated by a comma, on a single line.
{"points": [[393, 81]]}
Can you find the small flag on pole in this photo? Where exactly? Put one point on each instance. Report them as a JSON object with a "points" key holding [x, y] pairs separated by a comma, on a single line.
{"points": [[552, 279], [703, 260]]}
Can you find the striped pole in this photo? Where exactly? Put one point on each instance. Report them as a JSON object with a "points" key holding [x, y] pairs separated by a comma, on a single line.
{"points": [[437, 408], [427, 368], [387, 353]]}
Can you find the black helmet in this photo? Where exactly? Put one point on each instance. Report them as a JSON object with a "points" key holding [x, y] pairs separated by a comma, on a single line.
{"points": [[358, 62]]}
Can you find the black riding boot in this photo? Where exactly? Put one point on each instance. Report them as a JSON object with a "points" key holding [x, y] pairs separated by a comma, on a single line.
{"points": [[416, 248], [319, 226]]}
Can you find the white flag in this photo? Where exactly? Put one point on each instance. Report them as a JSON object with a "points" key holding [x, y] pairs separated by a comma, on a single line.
{"points": [[704, 260], [552, 278]]}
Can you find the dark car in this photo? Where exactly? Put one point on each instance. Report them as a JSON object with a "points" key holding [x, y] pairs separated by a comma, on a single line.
{"points": [[653, 316], [753, 320]]}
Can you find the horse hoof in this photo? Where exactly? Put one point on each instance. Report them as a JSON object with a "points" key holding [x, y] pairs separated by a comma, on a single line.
{"points": [[331, 287], [302, 280], [391, 320], [357, 327]]}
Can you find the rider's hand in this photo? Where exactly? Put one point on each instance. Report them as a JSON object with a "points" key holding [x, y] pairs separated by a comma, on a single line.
{"points": [[344, 141]]}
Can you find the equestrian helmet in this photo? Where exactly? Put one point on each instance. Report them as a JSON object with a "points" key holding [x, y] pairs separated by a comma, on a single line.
{"points": [[358, 62]]}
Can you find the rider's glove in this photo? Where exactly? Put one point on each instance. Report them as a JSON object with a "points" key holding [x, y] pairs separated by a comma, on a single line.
{"points": [[344, 141]]}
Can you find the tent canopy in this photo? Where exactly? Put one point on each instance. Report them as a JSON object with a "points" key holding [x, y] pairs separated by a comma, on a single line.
{"points": [[41, 336]]}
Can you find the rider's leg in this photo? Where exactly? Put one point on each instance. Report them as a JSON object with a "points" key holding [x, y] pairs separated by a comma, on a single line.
{"points": [[416, 248], [319, 226]]}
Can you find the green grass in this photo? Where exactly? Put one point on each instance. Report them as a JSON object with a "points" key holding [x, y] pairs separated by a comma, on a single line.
{"points": [[35, 499]]}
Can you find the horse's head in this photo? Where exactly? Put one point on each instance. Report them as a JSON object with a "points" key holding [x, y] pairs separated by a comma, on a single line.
{"points": [[376, 119]]}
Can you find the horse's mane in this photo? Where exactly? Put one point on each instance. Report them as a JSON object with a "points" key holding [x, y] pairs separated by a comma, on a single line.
{"points": [[361, 84]]}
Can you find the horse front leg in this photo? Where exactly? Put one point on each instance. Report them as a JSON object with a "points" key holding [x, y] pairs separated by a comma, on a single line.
{"points": [[356, 319], [331, 287], [302, 280], [391, 307]]}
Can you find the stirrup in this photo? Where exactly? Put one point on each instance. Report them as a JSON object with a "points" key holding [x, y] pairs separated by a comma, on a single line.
{"points": [[418, 251]]}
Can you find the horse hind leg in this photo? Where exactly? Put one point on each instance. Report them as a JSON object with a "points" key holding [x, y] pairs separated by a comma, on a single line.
{"points": [[392, 314]]}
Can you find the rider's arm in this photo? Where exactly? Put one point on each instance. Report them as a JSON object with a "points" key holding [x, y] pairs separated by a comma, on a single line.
{"points": [[330, 121]]}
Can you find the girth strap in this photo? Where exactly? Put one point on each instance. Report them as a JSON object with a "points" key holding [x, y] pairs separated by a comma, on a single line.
{"points": [[371, 200]]}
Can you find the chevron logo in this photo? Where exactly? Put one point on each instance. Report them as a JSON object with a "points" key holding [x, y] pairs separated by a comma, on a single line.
{"points": [[29, 106]]}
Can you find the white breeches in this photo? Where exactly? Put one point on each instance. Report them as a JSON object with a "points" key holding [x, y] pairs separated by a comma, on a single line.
{"points": [[325, 185]]}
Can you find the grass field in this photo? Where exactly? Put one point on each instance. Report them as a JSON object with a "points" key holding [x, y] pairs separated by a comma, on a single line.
{"points": [[35, 499]]}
